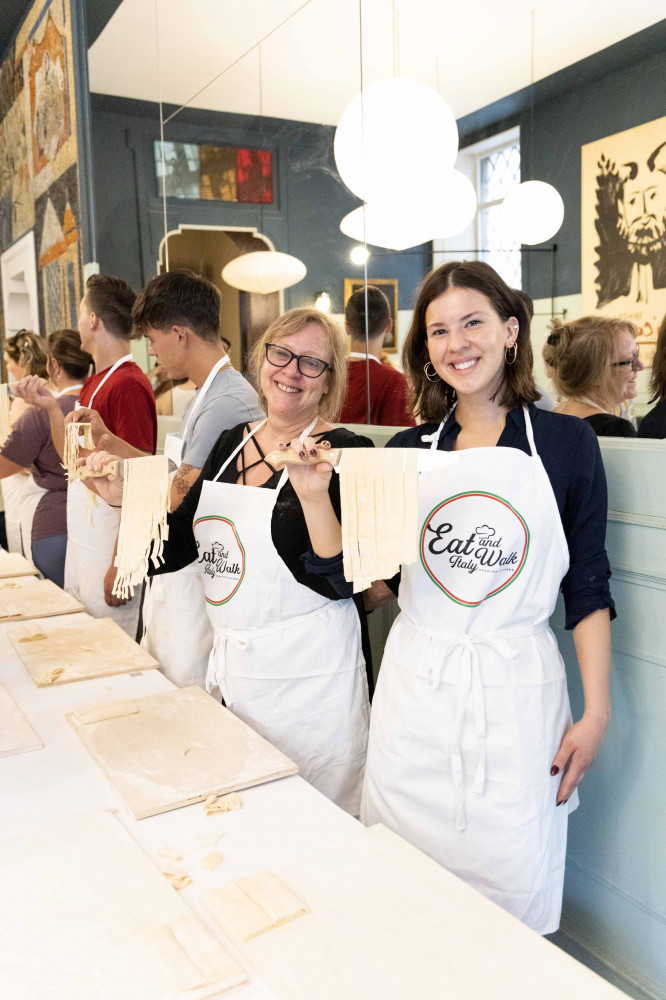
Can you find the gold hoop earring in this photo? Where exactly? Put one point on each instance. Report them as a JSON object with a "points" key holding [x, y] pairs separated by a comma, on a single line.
{"points": [[508, 357], [427, 373]]}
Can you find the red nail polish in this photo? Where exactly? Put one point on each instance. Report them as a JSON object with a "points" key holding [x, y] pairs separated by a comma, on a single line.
{"points": [[302, 455], [313, 452], [554, 770]]}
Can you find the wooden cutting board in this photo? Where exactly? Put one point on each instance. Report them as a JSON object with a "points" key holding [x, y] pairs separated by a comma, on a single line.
{"points": [[386, 921], [14, 564], [23, 597], [85, 915], [54, 652], [16, 733], [171, 749]]}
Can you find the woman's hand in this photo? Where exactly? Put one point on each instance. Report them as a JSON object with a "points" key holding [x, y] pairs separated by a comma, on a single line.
{"points": [[310, 482], [33, 390], [109, 488], [577, 751]]}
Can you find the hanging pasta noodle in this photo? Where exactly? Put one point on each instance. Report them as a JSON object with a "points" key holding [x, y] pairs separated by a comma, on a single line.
{"points": [[5, 421], [73, 435], [143, 522], [379, 491]]}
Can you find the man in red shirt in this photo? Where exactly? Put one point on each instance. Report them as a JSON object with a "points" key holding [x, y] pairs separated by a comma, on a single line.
{"points": [[122, 396], [389, 394]]}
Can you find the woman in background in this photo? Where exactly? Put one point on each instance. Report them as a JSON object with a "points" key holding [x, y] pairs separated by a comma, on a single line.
{"points": [[24, 354], [595, 364], [653, 424], [30, 446]]}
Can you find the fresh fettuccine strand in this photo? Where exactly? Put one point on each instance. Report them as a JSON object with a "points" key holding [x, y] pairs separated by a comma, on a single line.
{"points": [[143, 522], [378, 491], [5, 422], [73, 433]]}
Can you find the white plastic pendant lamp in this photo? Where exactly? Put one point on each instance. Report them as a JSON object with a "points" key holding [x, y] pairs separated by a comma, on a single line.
{"points": [[454, 206], [395, 226], [264, 271], [386, 130], [532, 212]]}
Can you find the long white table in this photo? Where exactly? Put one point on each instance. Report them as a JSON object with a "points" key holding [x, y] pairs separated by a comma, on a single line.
{"points": [[279, 823]]}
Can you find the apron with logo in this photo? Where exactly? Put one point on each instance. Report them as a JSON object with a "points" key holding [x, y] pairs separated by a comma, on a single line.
{"points": [[471, 703], [90, 546], [177, 630], [285, 659]]}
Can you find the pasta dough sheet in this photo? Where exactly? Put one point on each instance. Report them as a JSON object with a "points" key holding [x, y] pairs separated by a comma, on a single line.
{"points": [[143, 522], [379, 502], [16, 733], [5, 420], [178, 748], [85, 914], [76, 436], [248, 907], [79, 651]]}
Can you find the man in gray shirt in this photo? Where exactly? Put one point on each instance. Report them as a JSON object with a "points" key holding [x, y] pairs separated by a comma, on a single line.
{"points": [[179, 314]]}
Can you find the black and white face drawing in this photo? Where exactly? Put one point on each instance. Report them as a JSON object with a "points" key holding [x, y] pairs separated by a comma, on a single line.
{"points": [[631, 226]]}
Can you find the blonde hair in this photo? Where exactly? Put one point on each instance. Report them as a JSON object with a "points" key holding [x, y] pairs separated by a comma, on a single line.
{"points": [[581, 354], [293, 322]]}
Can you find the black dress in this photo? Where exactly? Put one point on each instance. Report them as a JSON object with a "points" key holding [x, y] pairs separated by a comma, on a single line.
{"points": [[653, 424], [607, 425]]}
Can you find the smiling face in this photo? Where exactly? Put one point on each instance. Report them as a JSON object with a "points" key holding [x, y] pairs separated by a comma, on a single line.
{"points": [[466, 342], [289, 394], [624, 379], [169, 351]]}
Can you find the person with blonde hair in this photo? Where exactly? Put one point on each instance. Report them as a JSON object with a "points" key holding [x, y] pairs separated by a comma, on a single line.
{"points": [[653, 424], [595, 363], [288, 653]]}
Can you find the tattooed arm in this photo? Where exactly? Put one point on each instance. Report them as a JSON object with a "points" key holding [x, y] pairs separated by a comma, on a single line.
{"points": [[184, 479]]}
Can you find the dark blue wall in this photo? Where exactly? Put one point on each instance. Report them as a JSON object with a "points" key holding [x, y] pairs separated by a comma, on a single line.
{"points": [[616, 89], [309, 198]]}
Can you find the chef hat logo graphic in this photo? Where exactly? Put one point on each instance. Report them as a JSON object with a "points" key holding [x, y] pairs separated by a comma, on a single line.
{"points": [[485, 531]]}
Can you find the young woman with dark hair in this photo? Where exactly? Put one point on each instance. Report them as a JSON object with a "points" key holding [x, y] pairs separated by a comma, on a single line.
{"points": [[472, 746]]}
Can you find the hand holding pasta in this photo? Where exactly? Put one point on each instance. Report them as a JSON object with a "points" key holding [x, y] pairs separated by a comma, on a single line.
{"points": [[109, 487], [310, 479]]}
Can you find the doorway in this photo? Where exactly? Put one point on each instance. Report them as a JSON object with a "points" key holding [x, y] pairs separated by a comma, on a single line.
{"points": [[206, 250]]}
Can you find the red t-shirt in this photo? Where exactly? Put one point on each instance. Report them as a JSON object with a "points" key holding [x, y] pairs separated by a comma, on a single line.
{"points": [[389, 395], [126, 404]]}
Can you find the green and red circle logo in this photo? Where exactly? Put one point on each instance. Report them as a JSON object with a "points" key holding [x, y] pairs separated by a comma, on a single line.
{"points": [[473, 546], [221, 557]]}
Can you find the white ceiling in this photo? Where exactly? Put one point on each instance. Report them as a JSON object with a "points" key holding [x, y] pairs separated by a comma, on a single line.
{"points": [[480, 50]]}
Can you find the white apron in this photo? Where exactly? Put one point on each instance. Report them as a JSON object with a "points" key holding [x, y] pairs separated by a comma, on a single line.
{"points": [[471, 703], [177, 630], [286, 660], [90, 546]]}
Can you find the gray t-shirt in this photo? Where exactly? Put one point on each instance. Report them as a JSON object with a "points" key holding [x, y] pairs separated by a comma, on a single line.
{"points": [[230, 400]]}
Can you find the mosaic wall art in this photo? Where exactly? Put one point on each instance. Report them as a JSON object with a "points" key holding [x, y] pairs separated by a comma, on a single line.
{"points": [[39, 185], [214, 173]]}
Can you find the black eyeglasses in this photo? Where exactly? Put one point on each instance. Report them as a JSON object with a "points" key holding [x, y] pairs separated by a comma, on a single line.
{"points": [[281, 356], [634, 362]]}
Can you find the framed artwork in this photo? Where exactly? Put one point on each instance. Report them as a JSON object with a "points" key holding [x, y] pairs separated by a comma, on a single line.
{"points": [[214, 173], [623, 223], [389, 286]]}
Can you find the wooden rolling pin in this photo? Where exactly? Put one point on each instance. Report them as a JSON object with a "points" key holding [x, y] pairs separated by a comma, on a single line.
{"points": [[287, 456]]}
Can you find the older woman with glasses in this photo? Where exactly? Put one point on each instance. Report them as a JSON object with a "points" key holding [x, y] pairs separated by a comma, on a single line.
{"points": [[595, 363], [288, 655]]}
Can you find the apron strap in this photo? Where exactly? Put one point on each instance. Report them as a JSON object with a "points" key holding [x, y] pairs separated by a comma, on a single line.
{"points": [[283, 477], [308, 430], [201, 394], [121, 361], [530, 432]]}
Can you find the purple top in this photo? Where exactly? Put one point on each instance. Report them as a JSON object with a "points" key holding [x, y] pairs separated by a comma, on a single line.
{"points": [[30, 446]]}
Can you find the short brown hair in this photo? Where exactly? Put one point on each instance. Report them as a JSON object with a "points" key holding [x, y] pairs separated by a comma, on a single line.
{"points": [[178, 298], [64, 346], [27, 350], [111, 299], [581, 354], [292, 322], [658, 376], [432, 400], [378, 313]]}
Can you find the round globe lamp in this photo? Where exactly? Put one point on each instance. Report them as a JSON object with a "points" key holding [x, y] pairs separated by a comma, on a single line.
{"points": [[264, 271], [532, 212]]}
